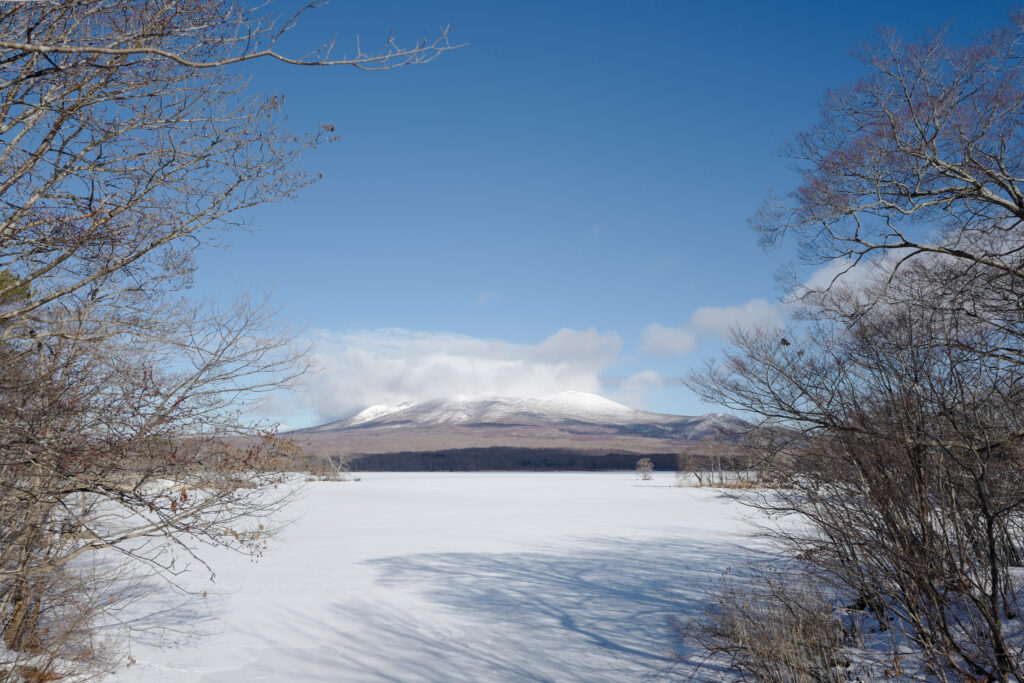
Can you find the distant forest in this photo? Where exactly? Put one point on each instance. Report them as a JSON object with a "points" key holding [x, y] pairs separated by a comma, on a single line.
{"points": [[506, 458]]}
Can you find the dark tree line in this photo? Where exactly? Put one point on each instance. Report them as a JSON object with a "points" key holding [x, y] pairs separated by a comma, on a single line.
{"points": [[505, 459]]}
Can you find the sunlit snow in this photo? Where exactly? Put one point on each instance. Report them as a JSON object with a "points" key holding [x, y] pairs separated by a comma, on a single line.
{"points": [[451, 577]]}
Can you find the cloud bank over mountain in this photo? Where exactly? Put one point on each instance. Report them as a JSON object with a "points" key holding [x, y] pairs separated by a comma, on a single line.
{"points": [[354, 369], [359, 368]]}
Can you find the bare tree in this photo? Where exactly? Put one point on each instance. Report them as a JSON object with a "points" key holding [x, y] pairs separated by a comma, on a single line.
{"points": [[895, 409], [127, 144], [645, 469], [718, 457], [905, 457], [687, 465], [920, 156]]}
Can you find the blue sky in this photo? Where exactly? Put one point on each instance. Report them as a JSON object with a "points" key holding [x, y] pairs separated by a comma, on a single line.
{"points": [[560, 204]]}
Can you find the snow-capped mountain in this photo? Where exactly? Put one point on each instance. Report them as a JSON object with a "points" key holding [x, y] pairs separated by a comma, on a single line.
{"points": [[569, 405], [568, 420]]}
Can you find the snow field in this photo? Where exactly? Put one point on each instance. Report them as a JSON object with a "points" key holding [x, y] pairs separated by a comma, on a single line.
{"points": [[451, 577]]}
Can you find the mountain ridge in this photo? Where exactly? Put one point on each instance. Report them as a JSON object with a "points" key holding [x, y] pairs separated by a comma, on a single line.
{"points": [[569, 420]]}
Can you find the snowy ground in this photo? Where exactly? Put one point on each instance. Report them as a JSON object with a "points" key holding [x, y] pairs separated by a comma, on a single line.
{"points": [[452, 577]]}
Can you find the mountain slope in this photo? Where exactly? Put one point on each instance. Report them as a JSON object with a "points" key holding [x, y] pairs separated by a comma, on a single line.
{"points": [[569, 420]]}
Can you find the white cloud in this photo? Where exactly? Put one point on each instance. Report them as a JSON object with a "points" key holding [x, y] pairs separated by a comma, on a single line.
{"points": [[664, 340], [633, 390], [840, 274], [361, 368], [588, 347], [833, 272], [719, 320], [854, 276], [711, 321]]}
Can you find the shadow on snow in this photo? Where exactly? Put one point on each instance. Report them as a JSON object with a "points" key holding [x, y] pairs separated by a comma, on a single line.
{"points": [[599, 612]]}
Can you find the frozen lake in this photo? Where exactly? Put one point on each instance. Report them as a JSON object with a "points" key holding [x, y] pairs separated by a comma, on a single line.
{"points": [[452, 577]]}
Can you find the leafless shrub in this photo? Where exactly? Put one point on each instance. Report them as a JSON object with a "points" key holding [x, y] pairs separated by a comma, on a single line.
{"points": [[770, 627]]}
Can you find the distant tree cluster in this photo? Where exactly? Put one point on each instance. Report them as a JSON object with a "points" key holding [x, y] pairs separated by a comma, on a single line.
{"points": [[722, 464], [894, 409]]}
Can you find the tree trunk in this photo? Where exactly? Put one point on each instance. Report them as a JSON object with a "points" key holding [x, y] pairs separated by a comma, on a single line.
{"points": [[22, 631]]}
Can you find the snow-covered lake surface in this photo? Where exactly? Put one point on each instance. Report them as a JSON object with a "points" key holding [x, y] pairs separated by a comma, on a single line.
{"points": [[452, 577]]}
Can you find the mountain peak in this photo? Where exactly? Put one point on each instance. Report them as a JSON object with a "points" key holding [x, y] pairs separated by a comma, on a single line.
{"points": [[580, 404]]}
